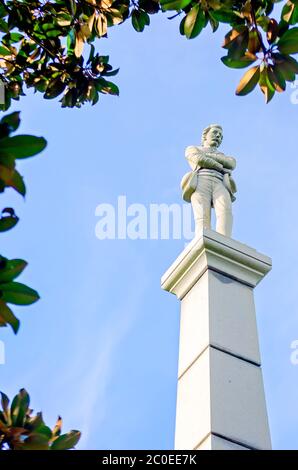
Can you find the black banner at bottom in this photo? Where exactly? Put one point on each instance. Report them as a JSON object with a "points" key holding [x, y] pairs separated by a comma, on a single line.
{"points": [[133, 459]]}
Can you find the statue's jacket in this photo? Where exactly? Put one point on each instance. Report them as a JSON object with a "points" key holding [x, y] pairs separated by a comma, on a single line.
{"points": [[200, 157]]}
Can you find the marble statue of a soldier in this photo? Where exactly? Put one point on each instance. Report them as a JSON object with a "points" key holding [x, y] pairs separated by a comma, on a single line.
{"points": [[210, 184]]}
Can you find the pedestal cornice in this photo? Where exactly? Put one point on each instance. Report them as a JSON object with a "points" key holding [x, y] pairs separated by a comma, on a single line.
{"points": [[213, 251]]}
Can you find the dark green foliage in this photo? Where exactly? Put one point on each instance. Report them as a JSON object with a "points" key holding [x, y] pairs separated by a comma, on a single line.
{"points": [[13, 148], [49, 46], [20, 430]]}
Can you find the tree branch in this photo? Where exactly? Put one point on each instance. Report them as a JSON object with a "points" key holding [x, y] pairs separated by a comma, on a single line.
{"points": [[254, 21]]}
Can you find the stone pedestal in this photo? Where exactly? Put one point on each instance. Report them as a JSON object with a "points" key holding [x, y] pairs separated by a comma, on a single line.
{"points": [[220, 396]]}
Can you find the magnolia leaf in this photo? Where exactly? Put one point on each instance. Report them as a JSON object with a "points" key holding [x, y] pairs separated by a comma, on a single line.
{"points": [[254, 44], [266, 85], [287, 11], [181, 26], [36, 442], [286, 65], [11, 269], [8, 221], [5, 404], [58, 426], [12, 121], [236, 41], [106, 87], [105, 4], [240, 63], [276, 78], [114, 17], [139, 19], [71, 41], [15, 37], [225, 16], [54, 89], [290, 61], [272, 31], [22, 146], [66, 441], [17, 182], [19, 408], [79, 43], [288, 43], [6, 173], [43, 429], [8, 317], [101, 25], [150, 6], [194, 22], [248, 81], [232, 35], [174, 4], [18, 294]]}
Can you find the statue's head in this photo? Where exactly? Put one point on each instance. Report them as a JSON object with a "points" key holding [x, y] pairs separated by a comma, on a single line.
{"points": [[212, 136]]}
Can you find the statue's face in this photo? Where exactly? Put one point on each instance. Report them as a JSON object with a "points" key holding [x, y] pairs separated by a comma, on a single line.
{"points": [[214, 137]]}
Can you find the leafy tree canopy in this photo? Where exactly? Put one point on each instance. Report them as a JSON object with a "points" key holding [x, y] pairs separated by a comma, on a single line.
{"points": [[49, 45], [20, 430], [12, 149]]}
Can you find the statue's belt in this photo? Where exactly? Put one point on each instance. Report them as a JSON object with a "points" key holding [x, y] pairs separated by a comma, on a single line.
{"points": [[210, 172]]}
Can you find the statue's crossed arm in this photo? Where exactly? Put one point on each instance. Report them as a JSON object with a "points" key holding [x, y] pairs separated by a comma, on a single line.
{"points": [[199, 159], [227, 162]]}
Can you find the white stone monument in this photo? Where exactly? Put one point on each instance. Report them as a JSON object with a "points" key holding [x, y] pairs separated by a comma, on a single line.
{"points": [[220, 397]]}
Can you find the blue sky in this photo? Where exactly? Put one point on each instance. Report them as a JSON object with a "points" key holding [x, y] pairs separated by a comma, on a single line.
{"points": [[101, 346]]}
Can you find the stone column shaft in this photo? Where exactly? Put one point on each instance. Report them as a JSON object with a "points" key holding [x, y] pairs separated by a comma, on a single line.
{"points": [[220, 396]]}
